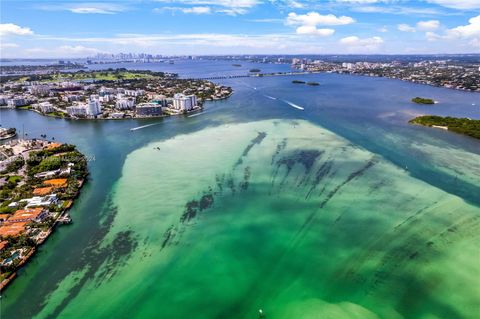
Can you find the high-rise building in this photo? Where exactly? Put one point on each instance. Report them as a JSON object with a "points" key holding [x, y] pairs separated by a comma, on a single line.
{"points": [[94, 107]]}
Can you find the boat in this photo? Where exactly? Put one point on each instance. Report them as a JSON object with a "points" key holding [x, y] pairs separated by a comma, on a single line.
{"points": [[65, 219]]}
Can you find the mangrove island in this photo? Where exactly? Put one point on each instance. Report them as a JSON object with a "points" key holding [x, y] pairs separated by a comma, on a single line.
{"points": [[464, 126], [421, 100]]}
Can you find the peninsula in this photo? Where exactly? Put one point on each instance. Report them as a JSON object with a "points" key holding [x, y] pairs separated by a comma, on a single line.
{"points": [[39, 181], [464, 126], [108, 94]]}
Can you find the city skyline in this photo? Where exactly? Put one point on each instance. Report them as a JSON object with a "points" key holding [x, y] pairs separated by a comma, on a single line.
{"points": [[70, 29]]}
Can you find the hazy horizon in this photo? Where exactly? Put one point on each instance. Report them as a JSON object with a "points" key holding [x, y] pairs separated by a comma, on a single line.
{"points": [[73, 29]]}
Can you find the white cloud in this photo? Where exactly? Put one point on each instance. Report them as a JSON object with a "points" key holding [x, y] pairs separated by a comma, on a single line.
{"points": [[9, 45], [197, 10], [312, 30], [405, 28], [467, 31], [86, 8], [428, 25], [356, 44], [230, 7], [397, 10], [383, 29], [464, 35], [360, 1], [356, 41], [62, 51], [192, 10], [222, 3], [295, 4], [457, 4], [314, 19], [13, 29], [233, 11]]}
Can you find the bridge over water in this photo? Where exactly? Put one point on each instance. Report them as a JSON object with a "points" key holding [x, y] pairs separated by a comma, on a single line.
{"points": [[253, 75]]}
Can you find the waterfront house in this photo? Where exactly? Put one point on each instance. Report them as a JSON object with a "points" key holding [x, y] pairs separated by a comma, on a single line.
{"points": [[39, 201], [13, 229], [56, 183], [42, 191], [27, 215]]}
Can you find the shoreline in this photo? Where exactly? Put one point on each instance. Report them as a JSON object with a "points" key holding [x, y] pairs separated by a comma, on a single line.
{"points": [[40, 238], [198, 109]]}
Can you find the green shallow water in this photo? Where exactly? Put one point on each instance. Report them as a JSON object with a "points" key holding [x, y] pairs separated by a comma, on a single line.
{"points": [[278, 215]]}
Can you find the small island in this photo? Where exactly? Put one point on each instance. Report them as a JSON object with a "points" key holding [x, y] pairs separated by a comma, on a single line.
{"points": [[7, 133], [421, 100], [236, 65], [39, 181], [313, 83], [298, 82], [255, 70], [464, 126]]}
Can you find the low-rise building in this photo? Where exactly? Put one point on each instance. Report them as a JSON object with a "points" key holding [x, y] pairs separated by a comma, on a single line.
{"points": [[125, 103], [71, 98], [77, 110], [148, 109], [16, 102], [134, 92], [44, 107], [40, 90]]}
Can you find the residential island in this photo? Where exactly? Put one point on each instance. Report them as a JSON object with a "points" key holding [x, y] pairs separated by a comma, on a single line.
{"points": [[108, 94], [464, 126], [39, 181]]}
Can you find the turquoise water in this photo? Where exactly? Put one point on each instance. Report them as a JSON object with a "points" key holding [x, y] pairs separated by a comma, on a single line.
{"points": [[339, 211]]}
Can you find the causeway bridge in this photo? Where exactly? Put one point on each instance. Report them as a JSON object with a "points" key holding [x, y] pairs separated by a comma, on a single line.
{"points": [[252, 75]]}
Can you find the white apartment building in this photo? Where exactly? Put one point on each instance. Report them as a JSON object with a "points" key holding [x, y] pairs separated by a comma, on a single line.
{"points": [[44, 107], [92, 108], [184, 102], [125, 103], [134, 92], [77, 110], [42, 90], [71, 98], [13, 103]]}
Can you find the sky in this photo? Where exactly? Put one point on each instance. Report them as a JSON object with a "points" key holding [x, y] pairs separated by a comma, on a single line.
{"points": [[69, 29]]}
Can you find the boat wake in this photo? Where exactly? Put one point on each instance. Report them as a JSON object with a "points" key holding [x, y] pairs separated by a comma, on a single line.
{"points": [[144, 126], [197, 114], [298, 107], [270, 97]]}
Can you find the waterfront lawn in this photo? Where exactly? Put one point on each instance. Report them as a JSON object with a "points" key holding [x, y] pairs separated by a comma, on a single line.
{"points": [[103, 75]]}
